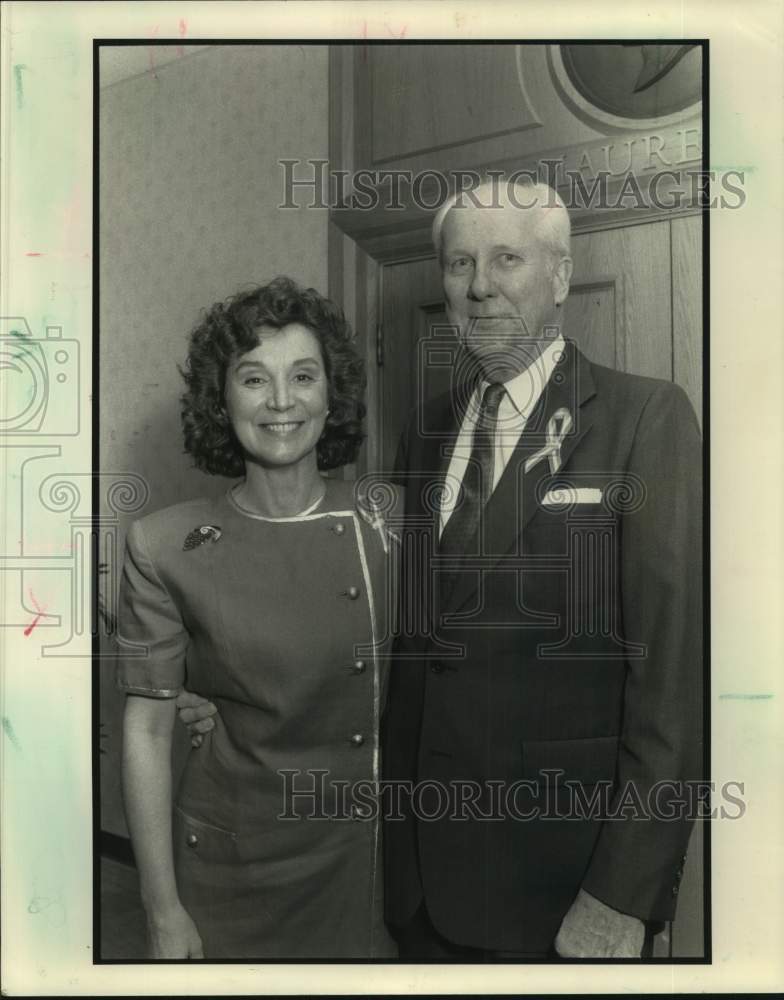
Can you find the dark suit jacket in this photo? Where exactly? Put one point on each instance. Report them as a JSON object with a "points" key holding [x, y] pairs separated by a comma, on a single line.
{"points": [[571, 643]]}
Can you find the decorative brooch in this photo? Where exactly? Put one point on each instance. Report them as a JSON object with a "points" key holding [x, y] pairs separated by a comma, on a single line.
{"points": [[200, 535]]}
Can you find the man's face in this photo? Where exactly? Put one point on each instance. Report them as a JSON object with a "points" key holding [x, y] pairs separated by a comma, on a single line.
{"points": [[501, 285]]}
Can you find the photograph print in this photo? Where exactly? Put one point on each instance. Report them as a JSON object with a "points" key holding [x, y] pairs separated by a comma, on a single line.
{"points": [[400, 380]]}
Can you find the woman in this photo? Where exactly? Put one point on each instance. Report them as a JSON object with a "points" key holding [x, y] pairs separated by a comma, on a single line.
{"points": [[272, 601]]}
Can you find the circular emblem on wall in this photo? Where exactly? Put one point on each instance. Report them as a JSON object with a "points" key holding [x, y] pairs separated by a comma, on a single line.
{"points": [[629, 84]]}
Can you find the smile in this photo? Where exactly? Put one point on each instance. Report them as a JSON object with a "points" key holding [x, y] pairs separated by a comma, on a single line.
{"points": [[287, 428]]}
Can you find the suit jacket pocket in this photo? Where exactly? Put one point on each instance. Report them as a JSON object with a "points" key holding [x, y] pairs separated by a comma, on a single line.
{"points": [[586, 761]]}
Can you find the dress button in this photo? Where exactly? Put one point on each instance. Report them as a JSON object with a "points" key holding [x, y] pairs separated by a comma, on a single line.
{"points": [[352, 593], [357, 740], [339, 528], [359, 666], [437, 668], [191, 840]]}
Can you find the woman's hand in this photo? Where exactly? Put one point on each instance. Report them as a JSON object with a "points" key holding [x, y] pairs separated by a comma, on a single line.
{"points": [[196, 713], [173, 935]]}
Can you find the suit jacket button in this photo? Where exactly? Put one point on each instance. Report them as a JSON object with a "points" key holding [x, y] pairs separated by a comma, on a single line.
{"points": [[437, 668], [352, 593], [675, 890], [358, 666], [191, 840], [339, 528], [357, 740]]}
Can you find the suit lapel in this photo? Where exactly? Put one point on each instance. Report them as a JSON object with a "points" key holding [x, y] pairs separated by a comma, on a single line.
{"points": [[438, 442], [514, 500]]}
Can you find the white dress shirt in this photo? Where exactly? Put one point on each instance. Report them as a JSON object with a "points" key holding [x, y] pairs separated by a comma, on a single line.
{"points": [[522, 395]]}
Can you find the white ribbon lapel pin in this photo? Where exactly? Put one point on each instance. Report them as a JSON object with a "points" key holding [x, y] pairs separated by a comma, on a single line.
{"points": [[558, 426], [372, 516]]}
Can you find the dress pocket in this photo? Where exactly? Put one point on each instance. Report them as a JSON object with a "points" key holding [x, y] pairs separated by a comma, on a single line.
{"points": [[200, 839]]}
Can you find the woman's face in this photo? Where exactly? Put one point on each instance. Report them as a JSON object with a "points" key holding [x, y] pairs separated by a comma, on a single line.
{"points": [[276, 397]]}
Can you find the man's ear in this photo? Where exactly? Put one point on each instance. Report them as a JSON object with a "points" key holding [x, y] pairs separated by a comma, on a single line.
{"points": [[562, 275]]}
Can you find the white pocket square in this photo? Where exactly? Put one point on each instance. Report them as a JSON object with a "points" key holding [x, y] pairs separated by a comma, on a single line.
{"points": [[565, 496]]}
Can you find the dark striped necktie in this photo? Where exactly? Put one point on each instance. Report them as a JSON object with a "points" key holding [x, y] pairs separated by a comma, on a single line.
{"points": [[477, 484]]}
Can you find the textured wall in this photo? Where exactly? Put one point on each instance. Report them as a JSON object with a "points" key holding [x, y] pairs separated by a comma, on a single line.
{"points": [[189, 184]]}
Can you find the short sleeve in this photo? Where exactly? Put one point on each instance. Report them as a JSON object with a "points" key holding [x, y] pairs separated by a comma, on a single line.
{"points": [[153, 640]]}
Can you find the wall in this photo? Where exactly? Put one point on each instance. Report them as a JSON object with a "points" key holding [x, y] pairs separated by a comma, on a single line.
{"points": [[189, 184]]}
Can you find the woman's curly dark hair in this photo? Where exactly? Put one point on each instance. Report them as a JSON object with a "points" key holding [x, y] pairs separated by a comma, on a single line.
{"points": [[231, 328]]}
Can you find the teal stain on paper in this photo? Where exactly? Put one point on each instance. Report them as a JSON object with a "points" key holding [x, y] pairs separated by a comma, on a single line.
{"points": [[19, 87], [747, 697], [8, 729]]}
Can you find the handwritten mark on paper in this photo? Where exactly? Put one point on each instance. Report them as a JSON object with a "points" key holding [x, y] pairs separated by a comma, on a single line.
{"points": [[37, 618]]}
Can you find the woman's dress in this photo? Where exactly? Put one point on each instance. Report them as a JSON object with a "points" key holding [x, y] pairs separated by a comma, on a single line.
{"points": [[284, 624]]}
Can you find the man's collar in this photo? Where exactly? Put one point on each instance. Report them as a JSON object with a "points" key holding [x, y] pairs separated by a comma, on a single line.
{"points": [[525, 388]]}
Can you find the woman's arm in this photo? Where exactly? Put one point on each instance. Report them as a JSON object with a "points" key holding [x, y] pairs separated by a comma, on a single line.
{"points": [[147, 792]]}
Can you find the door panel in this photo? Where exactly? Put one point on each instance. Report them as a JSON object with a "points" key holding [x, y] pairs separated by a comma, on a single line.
{"points": [[412, 306], [591, 316], [619, 309]]}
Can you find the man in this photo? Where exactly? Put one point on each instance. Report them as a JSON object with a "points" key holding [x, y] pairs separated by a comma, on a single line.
{"points": [[578, 625], [555, 650]]}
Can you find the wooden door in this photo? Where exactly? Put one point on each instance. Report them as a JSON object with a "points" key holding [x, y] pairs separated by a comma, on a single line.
{"points": [[619, 309], [413, 319]]}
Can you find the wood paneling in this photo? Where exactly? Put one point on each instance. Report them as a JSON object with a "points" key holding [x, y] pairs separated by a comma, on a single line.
{"points": [[444, 108], [687, 307], [440, 96], [412, 302], [591, 315], [636, 261]]}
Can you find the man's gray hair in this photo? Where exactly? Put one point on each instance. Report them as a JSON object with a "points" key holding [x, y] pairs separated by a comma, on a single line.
{"points": [[553, 227]]}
